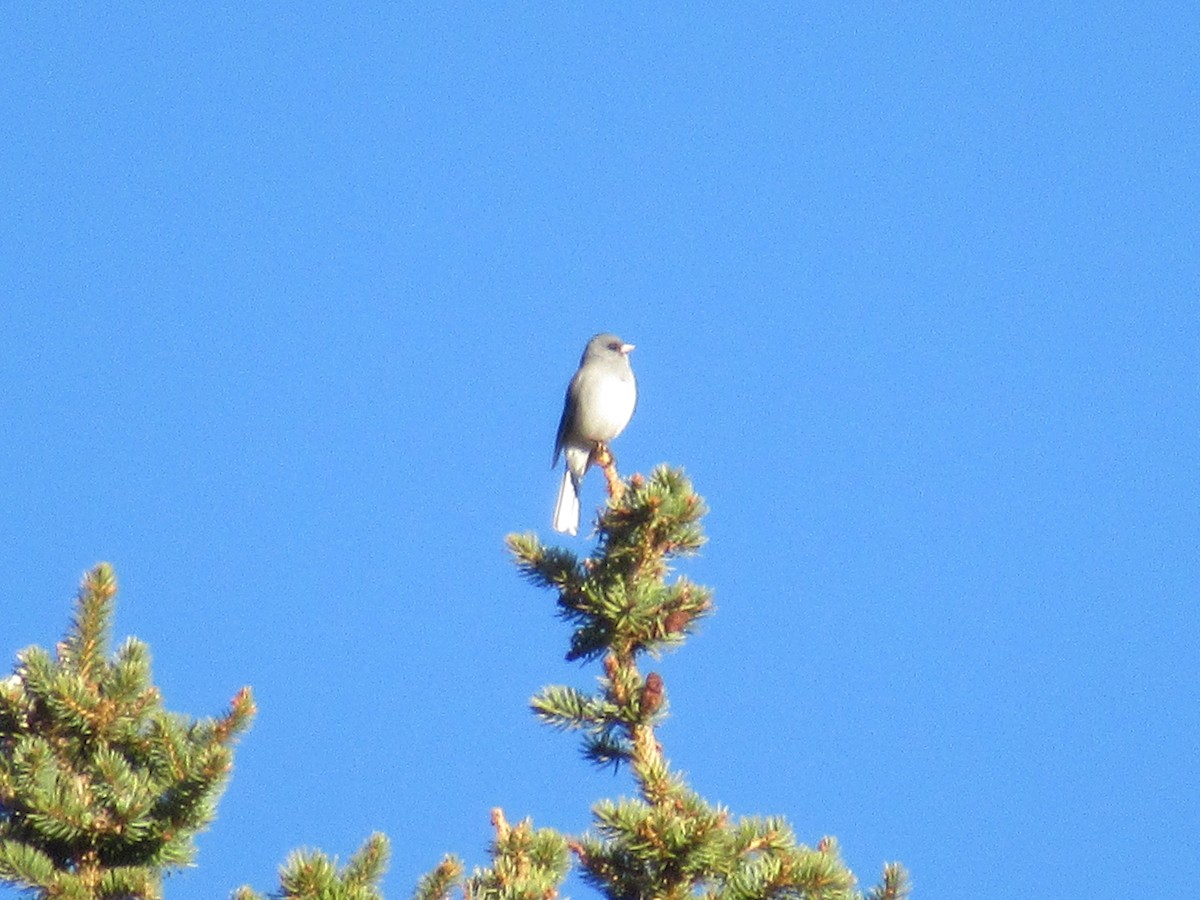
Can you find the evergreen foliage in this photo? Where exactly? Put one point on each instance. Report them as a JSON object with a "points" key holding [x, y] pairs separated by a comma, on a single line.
{"points": [[102, 790], [667, 843]]}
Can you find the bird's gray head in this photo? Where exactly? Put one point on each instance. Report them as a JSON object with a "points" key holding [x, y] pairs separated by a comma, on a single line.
{"points": [[605, 346]]}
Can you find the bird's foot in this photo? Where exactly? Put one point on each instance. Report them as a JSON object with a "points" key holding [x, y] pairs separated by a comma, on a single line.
{"points": [[604, 458]]}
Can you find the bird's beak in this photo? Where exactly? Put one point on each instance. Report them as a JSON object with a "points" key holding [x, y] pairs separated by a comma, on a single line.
{"points": [[625, 348]]}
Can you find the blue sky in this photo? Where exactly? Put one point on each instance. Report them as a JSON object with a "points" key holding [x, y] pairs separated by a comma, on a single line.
{"points": [[291, 296]]}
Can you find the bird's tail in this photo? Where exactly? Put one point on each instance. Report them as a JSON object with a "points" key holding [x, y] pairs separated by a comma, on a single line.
{"points": [[566, 510]]}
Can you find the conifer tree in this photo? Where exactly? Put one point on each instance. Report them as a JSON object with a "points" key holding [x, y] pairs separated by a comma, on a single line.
{"points": [[667, 843], [102, 790]]}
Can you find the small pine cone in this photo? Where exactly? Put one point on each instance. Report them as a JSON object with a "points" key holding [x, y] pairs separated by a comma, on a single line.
{"points": [[677, 621], [652, 695]]}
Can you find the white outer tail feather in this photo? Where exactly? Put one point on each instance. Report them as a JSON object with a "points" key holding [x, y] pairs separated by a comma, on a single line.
{"points": [[566, 509]]}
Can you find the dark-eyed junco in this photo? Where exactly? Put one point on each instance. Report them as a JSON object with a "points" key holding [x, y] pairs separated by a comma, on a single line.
{"points": [[599, 404]]}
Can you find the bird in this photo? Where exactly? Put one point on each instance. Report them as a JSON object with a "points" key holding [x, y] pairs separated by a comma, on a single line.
{"points": [[599, 404]]}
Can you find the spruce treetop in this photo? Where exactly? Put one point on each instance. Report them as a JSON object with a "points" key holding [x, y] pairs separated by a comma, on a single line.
{"points": [[667, 842]]}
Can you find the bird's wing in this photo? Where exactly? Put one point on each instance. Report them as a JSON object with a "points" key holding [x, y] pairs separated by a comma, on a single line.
{"points": [[567, 423]]}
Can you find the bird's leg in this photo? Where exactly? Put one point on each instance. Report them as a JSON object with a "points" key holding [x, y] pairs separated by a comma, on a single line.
{"points": [[604, 458]]}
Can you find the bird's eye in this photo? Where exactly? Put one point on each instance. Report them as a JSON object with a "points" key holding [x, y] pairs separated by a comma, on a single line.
{"points": [[615, 345]]}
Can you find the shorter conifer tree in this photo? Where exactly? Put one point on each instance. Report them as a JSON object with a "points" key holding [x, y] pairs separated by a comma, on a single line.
{"points": [[102, 790]]}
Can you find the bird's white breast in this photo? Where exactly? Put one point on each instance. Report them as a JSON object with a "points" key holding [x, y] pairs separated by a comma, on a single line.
{"points": [[607, 406]]}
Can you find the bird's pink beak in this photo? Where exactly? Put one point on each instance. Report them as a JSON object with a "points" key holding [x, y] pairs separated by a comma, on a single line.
{"points": [[625, 348]]}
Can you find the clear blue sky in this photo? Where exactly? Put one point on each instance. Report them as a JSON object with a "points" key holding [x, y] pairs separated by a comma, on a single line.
{"points": [[289, 298]]}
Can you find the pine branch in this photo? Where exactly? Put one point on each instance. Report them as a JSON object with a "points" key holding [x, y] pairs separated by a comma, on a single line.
{"points": [[369, 862], [895, 885], [82, 652], [605, 750], [25, 866], [313, 875], [526, 864], [438, 884], [567, 708], [546, 567]]}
